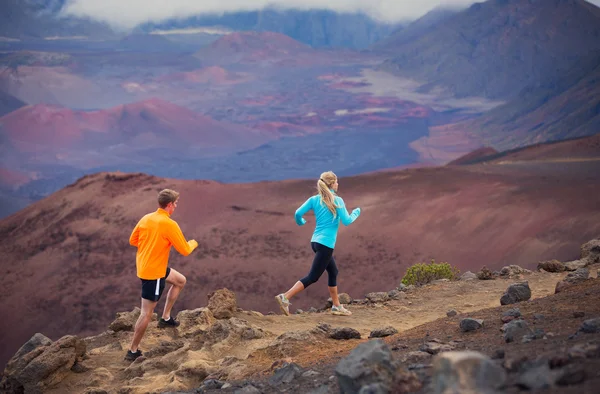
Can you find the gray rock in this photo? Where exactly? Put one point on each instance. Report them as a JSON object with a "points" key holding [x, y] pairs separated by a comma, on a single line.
{"points": [[344, 333], [374, 388], [514, 312], [435, 348], [310, 374], [248, 389], [466, 372], [383, 332], [516, 292], [370, 362], [212, 384], [590, 326], [378, 296], [537, 378], [469, 324], [451, 313], [468, 276], [402, 287], [516, 329], [577, 276], [577, 264], [571, 376], [285, 375], [419, 357], [396, 295]]}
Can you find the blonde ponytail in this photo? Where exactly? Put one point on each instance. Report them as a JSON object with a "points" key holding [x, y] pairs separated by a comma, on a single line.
{"points": [[324, 185]]}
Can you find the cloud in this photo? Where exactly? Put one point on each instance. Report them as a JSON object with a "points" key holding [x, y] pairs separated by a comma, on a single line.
{"points": [[130, 13]]}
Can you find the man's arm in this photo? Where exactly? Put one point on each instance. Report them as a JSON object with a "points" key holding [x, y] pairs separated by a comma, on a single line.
{"points": [[347, 219], [175, 236], [135, 236], [307, 206]]}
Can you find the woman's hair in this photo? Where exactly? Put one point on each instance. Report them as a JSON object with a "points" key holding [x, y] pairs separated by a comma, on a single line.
{"points": [[324, 185]]}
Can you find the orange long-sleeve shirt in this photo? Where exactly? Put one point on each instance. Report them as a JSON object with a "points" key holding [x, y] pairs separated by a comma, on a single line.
{"points": [[153, 236]]}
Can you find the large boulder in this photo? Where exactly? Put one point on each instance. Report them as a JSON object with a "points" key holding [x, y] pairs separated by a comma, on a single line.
{"points": [[369, 363], [466, 372], [516, 292], [41, 364], [222, 303]]}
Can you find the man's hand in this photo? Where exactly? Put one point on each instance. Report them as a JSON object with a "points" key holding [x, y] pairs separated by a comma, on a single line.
{"points": [[193, 243]]}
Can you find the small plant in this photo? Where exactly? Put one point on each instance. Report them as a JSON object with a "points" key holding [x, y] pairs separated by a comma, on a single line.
{"points": [[422, 273]]}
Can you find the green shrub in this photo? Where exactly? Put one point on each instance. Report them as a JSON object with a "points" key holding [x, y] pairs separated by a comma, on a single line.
{"points": [[423, 273]]}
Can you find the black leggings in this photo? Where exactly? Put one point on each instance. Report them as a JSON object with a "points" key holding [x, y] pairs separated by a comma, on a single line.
{"points": [[323, 261]]}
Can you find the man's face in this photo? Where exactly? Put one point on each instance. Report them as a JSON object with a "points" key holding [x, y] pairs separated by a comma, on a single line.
{"points": [[171, 207]]}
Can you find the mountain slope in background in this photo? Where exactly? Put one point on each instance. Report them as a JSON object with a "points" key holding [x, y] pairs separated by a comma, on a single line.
{"points": [[497, 48], [553, 110], [317, 28], [494, 214]]}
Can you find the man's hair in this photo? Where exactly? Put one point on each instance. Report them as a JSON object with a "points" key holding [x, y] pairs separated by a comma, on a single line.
{"points": [[166, 196]]}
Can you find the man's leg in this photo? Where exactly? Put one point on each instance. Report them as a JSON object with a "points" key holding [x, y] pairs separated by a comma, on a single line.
{"points": [[177, 281], [142, 323]]}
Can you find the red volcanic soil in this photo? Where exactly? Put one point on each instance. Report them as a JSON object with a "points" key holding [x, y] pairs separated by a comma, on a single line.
{"points": [[153, 122], [67, 256]]}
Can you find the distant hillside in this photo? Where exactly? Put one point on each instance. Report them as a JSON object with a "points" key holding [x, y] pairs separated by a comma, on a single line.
{"points": [[317, 28], [496, 48], [555, 109]]}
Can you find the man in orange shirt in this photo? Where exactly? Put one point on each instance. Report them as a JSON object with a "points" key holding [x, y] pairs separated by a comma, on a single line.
{"points": [[153, 236]]}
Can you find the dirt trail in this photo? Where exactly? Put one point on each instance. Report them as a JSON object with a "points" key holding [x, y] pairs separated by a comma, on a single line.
{"points": [[251, 357], [421, 305]]}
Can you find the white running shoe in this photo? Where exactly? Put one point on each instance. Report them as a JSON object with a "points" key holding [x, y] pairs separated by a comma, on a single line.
{"points": [[284, 304], [340, 310]]}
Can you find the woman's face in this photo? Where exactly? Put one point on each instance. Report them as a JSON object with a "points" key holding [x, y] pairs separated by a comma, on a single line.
{"points": [[335, 186]]}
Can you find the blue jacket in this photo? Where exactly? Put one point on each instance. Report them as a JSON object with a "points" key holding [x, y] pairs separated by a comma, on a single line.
{"points": [[327, 225]]}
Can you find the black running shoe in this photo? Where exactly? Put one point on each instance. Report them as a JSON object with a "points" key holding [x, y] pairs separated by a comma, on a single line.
{"points": [[162, 323], [132, 356]]}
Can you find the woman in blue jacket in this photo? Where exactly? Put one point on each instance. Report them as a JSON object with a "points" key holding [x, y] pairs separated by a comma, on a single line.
{"points": [[329, 210]]}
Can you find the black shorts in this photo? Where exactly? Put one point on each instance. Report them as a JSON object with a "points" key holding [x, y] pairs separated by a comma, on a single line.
{"points": [[152, 289]]}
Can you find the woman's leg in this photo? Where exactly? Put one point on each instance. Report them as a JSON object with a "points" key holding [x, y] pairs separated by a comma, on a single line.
{"points": [[332, 272], [320, 262]]}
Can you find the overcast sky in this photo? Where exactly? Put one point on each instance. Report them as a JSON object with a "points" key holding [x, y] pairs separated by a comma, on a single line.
{"points": [[129, 13]]}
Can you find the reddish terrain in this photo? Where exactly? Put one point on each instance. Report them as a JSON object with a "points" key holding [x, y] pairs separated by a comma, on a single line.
{"points": [[68, 255], [152, 123]]}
